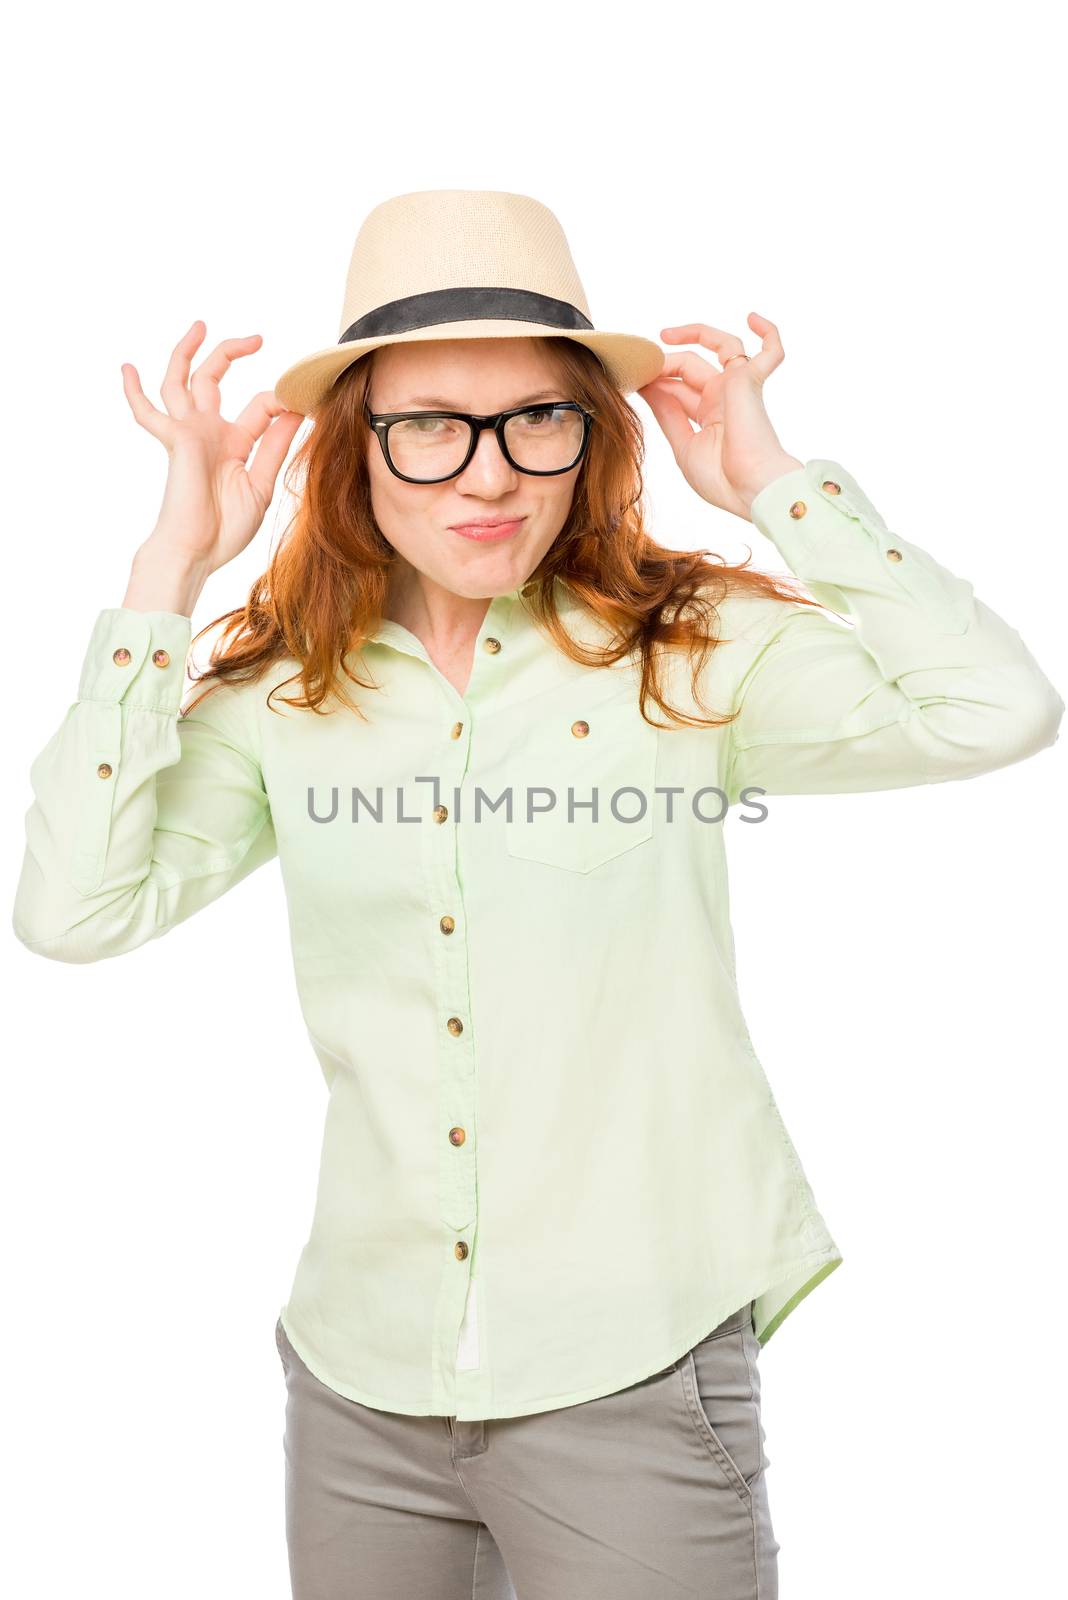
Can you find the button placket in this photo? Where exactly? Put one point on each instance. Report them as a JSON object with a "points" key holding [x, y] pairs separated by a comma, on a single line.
{"points": [[103, 743], [457, 1142], [457, 1074]]}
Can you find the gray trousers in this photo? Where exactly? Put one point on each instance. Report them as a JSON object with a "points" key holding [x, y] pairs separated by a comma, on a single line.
{"points": [[652, 1493]]}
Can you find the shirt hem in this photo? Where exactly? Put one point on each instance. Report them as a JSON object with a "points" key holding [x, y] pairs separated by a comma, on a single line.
{"points": [[823, 1262]]}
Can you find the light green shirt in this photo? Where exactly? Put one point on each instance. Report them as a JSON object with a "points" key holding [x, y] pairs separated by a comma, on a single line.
{"points": [[552, 1160]]}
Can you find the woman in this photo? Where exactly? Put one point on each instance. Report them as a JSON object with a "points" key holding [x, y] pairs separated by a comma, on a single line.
{"points": [[558, 1212]]}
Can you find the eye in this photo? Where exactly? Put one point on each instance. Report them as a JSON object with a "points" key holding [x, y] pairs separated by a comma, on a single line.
{"points": [[426, 427], [541, 416]]}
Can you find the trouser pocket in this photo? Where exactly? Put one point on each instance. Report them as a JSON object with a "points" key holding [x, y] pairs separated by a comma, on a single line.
{"points": [[720, 1379]]}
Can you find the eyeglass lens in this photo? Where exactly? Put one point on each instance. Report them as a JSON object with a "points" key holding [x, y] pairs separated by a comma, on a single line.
{"points": [[544, 439]]}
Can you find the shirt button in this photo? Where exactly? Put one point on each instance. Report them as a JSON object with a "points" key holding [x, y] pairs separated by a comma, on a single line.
{"points": [[103, 770], [439, 813], [830, 487], [121, 656], [457, 1136], [894, 555], [492, 645], [798, 508], [160, 658], [580, 729], [454, 1025], [460, 1250], [447, 924], [457, 729]]}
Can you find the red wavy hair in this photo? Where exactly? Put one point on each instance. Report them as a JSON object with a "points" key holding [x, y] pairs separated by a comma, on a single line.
{"points": [[327, 583]]}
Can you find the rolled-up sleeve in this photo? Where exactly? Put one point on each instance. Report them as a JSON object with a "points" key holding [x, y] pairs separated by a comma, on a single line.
{"points": [[920, 683], [140, 815]]}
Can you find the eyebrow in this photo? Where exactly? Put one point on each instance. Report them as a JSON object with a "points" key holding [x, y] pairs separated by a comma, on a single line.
{"points": [[449, 405]]}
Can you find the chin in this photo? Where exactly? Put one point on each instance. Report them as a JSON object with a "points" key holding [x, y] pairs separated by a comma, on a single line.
{"points": [[486, 577]]}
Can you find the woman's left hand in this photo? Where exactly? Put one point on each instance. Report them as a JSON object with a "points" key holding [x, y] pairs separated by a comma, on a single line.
{"points": [[735, 452]]}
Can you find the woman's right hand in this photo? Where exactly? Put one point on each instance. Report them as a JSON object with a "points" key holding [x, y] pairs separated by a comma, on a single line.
{"points": [[212, 504]]}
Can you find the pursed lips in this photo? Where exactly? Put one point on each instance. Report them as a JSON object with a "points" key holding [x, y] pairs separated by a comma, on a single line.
{"points": [[498, 528]]}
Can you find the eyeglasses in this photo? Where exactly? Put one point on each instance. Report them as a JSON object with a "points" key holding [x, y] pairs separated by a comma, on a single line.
{"points": [[433, 446]]}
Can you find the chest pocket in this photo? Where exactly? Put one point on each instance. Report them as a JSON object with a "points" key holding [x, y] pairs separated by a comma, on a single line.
{"points": [[581, 749]]}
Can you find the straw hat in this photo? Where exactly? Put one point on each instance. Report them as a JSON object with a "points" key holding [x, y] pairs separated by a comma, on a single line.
{"points": [[462, 264]]}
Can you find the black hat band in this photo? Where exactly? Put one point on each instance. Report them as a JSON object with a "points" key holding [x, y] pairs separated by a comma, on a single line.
{"points": [[465, 305]]}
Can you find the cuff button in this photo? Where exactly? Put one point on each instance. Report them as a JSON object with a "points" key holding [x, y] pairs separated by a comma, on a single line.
{"points": [[830, 487], [121, 656], [160, 658], [103, 770], [894, 555], [798, 508]]}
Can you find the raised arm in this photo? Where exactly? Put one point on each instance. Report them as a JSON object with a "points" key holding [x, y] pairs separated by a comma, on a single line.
{"points": [[140, 816]]}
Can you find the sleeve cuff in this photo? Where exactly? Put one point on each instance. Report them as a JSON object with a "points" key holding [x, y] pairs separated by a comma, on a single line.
{"points": [[838, 543], [138, 657], [800, 509]]}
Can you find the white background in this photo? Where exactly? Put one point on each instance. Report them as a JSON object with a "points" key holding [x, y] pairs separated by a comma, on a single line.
{"points": [[888, 188]]}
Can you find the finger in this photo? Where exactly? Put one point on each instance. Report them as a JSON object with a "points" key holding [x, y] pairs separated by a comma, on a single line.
{"points": [[672, 419], [271, 452], [145, 412], [771, 353], [723, 343], [691, 399], [259, 411], [691, 368], [205, 380], [173, 391]]}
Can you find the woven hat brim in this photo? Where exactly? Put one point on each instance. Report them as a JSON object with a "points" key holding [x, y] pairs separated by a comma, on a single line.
{"points": [[630, 361]]}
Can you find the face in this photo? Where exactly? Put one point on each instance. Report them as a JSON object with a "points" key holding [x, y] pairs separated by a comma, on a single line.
{"points": [[429, 524]]}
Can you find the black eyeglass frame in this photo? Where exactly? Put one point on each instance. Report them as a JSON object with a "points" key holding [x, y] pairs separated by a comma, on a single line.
{"points": [[380, 421]]}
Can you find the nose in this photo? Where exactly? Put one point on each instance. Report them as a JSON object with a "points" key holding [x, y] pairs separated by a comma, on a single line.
{"points": [[489, 469]]}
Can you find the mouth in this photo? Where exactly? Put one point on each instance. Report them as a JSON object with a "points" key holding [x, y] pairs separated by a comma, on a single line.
{"points": [[488, 530]]}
